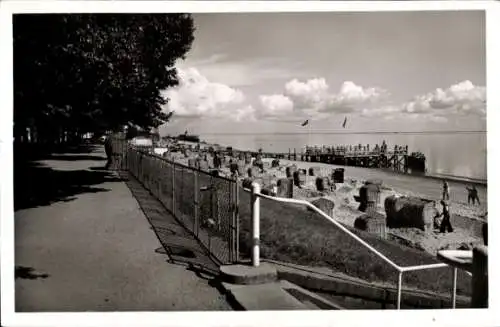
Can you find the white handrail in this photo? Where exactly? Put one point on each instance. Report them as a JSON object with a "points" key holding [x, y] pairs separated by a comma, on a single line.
{"points": [[357, 238], [400, 269]]}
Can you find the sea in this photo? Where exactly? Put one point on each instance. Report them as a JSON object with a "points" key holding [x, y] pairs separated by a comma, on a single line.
{"points": [[460, 155]]}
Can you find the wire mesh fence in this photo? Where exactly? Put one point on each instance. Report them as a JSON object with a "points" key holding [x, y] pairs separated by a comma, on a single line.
{"points": [[205, 204]]}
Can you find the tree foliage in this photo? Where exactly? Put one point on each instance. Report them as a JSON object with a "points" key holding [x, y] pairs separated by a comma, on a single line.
{"points": [[95, 72]]}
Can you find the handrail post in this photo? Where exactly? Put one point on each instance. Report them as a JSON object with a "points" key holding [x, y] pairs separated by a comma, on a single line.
{"points": [[255, 225], [479, 277], [400, 282]]}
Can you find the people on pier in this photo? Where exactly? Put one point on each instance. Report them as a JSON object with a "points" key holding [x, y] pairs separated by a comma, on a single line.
{"points": [[446, 223], [473, 195], [217, 161], [446, 191], [383, 148]]}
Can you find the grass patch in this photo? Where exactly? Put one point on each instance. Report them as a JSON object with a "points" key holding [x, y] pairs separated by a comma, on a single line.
{"points": [[290, 233]]}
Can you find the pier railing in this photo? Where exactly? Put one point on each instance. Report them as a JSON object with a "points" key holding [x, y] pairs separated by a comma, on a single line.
{"points": [[255, 198]]}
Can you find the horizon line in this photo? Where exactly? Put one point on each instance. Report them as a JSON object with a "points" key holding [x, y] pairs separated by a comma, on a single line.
{"points": [[350, 133]]}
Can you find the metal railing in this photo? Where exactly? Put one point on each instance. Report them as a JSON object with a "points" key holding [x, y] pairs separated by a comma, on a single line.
{"points": [[256, 195], [206, 205]]}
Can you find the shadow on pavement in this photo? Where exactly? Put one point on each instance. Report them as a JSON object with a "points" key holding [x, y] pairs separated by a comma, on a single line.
{"points": [[38, 185], [177, 243], [75, 157], [28, 273], [33, 151]]}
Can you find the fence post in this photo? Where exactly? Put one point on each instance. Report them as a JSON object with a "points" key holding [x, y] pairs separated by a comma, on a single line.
{"points": [[157, 176], [180, 189], [237, 218], [232, 226], [454, 289], [159, 170], [400, 282], [255, 225], [196, 223], [173, 189]]}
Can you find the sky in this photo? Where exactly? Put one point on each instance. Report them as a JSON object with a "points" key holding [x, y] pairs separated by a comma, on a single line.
{"points": [[384, 71]]}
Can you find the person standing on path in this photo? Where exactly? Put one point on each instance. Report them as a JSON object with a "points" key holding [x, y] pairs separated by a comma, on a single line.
{"points": [[446, 223], [109, 150], [446, 191]]}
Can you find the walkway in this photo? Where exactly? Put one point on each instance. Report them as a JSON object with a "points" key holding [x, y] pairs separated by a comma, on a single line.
{"points": [[85, 245]]}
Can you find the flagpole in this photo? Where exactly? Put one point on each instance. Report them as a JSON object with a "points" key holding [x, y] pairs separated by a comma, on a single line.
{"points": [[309, 134]]}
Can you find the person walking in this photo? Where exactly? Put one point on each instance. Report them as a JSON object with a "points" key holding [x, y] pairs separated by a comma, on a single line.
{"points": [[473, 195], [446, 191], [470, 197], [109, 150], [446, 223]]}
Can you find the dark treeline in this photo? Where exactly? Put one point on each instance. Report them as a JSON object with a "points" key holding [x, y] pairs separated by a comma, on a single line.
{"points": [[80, 73]]}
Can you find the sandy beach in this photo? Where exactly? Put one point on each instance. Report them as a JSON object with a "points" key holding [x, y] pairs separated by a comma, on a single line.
{"points": [[465, 218]]}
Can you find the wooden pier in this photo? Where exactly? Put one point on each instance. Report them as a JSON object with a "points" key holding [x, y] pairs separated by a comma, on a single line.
{"points": [[397, 159]]}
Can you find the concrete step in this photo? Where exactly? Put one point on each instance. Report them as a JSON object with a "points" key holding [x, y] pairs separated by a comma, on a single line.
{"points": [[279, 295], [269, 296], [246, 274]]}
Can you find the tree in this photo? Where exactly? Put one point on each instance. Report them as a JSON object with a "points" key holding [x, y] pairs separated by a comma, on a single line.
{"points": [[95, 72]]}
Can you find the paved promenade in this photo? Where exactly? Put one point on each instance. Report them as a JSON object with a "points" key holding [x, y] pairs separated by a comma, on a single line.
{"points": [[87, 246]]}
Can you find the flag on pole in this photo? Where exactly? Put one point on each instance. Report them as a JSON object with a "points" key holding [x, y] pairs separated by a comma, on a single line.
{"points": [[305, 123], [345, 122]]}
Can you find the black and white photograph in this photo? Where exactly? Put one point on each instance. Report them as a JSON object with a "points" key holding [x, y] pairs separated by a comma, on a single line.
{"points": [[162, 158]]}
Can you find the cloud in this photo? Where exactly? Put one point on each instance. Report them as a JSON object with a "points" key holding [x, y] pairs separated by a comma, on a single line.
{"points": [[463, 98], [196, 96], [311, 94], [246, 113], [351, 95], [313, 97], [380, 111], [276, 105], [242, 73]]}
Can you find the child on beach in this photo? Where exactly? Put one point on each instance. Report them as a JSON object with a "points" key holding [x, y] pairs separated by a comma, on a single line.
{"points": [[446, 191], [445, 223]]}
